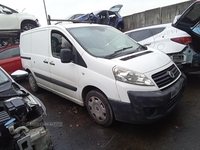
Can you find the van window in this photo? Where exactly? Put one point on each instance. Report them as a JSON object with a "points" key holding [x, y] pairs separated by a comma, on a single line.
{"points": [[58, 42]]}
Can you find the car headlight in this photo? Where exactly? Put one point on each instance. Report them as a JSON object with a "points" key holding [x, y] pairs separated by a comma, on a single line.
{"points": [[131, 77]]}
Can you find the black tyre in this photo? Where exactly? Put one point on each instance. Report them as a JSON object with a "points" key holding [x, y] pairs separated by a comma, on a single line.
{"points": [[27, 26], [32, 83], [99, 108]]}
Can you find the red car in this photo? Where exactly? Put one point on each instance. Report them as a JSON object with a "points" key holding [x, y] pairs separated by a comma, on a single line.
{"points": [[10, 59]]}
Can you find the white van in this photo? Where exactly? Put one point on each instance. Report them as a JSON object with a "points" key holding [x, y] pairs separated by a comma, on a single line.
{"points": [[100, 67]]}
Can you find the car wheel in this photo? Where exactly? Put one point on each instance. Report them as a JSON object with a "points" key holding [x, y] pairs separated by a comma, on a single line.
{"points": [[32, 83], [99, 108], [27, 26]]}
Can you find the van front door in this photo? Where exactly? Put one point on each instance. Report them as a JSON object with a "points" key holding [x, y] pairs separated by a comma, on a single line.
{"points": [[63, 75]]}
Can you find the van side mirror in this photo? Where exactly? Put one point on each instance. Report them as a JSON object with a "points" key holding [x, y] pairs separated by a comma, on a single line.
{"points": [[66, 55]]}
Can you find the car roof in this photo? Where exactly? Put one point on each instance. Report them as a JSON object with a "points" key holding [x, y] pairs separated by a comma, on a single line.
{"points": [[151, 27]]}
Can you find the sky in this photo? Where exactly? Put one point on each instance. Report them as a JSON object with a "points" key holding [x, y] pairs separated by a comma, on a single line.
{"points": [[60, 9]]}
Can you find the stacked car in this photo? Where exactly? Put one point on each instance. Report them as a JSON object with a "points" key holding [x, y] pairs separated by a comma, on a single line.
{"points": [[11, 25]]}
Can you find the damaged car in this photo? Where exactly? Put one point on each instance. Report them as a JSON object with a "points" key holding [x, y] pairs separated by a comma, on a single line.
{"points": [[107, 17], [180, 39], [189, 21], [21, 116]]}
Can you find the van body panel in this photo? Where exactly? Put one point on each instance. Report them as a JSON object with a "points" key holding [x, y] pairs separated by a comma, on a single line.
{"points": [[40, 58], [70, 80]]}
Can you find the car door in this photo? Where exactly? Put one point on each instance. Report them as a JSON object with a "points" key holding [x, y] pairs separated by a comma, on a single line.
{"points": [[189, 22], [10, 56], [103, 17], [63, 75], [8, 19], [116, 8]]}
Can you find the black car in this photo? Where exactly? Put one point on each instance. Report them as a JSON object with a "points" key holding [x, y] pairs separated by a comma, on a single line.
{"points": [[21, 116]]}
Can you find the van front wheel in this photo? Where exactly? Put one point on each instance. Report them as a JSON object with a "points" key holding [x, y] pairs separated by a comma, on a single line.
{"points": [[32, 83], [99, 108]]}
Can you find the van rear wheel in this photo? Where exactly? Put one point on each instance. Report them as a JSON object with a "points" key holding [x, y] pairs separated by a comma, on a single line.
{"points": [[32, 83], [99, 108]]}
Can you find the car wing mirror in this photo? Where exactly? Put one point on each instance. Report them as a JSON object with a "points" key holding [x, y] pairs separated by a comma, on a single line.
{"points": [[66, 55], [19, 75]]}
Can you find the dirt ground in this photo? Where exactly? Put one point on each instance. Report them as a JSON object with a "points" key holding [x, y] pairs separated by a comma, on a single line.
{"points": [[71, 127]]}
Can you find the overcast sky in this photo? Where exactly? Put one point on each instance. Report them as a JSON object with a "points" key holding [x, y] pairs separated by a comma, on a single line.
{"points": [[60, 9]]}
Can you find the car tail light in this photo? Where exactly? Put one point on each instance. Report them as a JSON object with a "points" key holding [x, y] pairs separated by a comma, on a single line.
{"points": [[183, 40]]}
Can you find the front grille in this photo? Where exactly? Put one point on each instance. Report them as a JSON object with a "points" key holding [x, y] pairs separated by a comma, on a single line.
{"points": [[163, 78]]}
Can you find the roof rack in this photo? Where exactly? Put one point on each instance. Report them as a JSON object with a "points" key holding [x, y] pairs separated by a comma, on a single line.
{"points": [[64, 20]]}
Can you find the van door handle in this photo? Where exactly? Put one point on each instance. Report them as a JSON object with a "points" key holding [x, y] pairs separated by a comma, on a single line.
{"points": [[51, 63], [45, 61]]}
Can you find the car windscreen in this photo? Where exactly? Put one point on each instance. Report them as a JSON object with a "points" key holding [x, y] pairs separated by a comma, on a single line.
{"points": [[3, 77], [102, 41]]}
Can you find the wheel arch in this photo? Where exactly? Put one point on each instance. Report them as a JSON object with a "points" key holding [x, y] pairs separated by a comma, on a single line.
{"points": [[28, 21], [89, 88], [27, 70]]}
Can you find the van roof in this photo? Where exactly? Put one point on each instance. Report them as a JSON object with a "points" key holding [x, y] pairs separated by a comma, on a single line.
{"points": [[72, 25], [64, 25]]}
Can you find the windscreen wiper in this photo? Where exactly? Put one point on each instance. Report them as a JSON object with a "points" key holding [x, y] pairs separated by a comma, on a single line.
{"points": [[116, 53]]}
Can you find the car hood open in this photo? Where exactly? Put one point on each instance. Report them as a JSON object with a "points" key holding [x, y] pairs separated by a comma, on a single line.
{"points": [[189, 21]]}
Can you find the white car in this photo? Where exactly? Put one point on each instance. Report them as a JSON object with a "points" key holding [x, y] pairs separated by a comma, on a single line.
{"points": [[176, 43], [12, 20]]}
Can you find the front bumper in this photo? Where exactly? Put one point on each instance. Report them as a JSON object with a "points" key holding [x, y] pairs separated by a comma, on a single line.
{"points": [[147, 107]]}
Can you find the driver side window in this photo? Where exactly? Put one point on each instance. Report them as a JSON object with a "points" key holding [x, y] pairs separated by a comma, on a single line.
{"points": [[58, 42]]}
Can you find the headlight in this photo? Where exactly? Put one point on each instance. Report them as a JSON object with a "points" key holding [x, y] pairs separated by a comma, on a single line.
{"points": [[131, 77]]}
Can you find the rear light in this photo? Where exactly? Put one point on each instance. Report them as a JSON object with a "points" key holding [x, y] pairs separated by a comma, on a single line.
{"points": [[183, 40]]}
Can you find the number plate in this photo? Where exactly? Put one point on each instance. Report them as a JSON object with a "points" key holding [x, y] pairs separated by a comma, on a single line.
{"points": [[176, 90]]}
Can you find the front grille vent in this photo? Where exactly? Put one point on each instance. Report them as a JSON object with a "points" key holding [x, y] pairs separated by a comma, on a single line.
{"points": [[136, 55], [166, 76]]}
